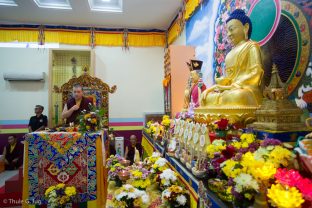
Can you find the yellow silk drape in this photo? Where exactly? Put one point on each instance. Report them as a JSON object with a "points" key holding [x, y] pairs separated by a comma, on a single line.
{"points": [[18, 35], [175, 29], [146, 40], [190, 7], [135, 39], [174, 32]]}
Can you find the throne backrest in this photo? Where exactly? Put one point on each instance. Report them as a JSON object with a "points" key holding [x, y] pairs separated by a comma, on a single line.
{"points": [[94, 89]]}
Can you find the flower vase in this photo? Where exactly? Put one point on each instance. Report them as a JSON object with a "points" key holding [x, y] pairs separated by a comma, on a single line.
{"points": [[261, 199]]}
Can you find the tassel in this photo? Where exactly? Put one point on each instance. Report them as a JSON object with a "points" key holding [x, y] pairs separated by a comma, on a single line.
{"points": [[125, 39], [41, 36], [92, 37]]}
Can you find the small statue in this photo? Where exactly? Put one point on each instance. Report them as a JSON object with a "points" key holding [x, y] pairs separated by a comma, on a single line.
{"points": [[195, 86], [240, 86]]}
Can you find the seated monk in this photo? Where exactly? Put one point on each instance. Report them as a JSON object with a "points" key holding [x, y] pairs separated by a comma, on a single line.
{"points": [[13, 154], [75, 105], [240, 87]]}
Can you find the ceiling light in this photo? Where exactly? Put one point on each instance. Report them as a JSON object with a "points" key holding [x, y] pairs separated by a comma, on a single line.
{"points": [[8, 3], [106, 5], [53, 4]]}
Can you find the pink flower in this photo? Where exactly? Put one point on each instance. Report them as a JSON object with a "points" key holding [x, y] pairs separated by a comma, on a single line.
{"points": [[221, 46], [220, 58], [305, 187], [287, 177]]}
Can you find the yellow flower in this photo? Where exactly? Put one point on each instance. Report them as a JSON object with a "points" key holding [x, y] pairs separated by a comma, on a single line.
{"points": [[70, 191], [88, 127], [60, 186], [87, 116], [47, 192], [265, 172], [229, 190], [248, 196], [237, 144], [137, 202], [93, 121], [280, 155], [283, 197], [248, 137], [137, 174], [231, 168]]}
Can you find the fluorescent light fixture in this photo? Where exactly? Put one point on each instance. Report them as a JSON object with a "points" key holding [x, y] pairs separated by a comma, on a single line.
{"points": [[8, 3], [28, 45], [106, 5], [53, 4]]}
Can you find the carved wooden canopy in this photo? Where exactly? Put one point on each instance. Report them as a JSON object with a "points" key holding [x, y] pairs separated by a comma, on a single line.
{"points": [[93, 86]]}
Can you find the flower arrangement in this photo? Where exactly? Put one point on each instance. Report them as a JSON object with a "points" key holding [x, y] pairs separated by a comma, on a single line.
{"points": [[159, 166], [113, 160], [215, 147], [140, 178], [248, 166], [113, 172], [129, 197], [150, 128], [246, 185], [166, 121], [285, 197], [175, 196], [292, 178], [59, 195], [91, 121], [168, 177]]}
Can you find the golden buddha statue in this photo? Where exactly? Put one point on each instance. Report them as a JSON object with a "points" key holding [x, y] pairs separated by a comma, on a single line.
{"points": [[239, 88]]}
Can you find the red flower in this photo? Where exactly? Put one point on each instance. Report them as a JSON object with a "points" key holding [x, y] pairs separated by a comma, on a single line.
{"points": [[288, 177], [228, 152], [222, 124], [305, 187]]}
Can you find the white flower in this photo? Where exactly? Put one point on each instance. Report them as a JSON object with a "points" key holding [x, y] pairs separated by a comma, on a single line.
{"points": [[122, 194], [181, 199], [127, 186], [245, 181], [169, 176], [145, 198], [156, 154], [161, 162], [218, 142], [132, 195], [261, 153], [165, 193]]}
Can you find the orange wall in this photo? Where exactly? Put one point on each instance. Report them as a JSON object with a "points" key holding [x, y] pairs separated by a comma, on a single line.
{"points": [[179, 55]]}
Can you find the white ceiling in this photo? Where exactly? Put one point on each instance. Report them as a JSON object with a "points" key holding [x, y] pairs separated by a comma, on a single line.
{"points": [[140, 14]]}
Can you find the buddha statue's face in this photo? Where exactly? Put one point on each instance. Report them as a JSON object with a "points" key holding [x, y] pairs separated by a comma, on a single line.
{"points": [[236, 31], [194, 76]]}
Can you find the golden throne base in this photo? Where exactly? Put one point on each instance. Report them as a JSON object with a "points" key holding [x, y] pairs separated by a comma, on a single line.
{"points": [[234, 114]]}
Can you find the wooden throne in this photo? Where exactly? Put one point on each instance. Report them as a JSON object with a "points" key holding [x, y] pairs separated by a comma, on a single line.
{"points": [[94, 89]]}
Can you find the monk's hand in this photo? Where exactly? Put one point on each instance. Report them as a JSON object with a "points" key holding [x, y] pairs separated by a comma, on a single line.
{"points": [[15, 160], [75, 107]]}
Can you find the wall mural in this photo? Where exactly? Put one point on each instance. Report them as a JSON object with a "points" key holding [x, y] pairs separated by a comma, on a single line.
{"points": [[212, 40]]}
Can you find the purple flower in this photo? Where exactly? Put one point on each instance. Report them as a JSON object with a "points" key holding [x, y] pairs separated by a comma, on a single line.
{"points": [[270, 142]]}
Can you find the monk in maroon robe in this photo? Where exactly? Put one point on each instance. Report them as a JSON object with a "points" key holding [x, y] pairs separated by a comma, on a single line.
{"points": [[76, 105], [13, 154]]}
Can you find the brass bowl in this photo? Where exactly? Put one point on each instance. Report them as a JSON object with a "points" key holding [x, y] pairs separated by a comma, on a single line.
{"points": [[124, 175], [125, 162]]}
